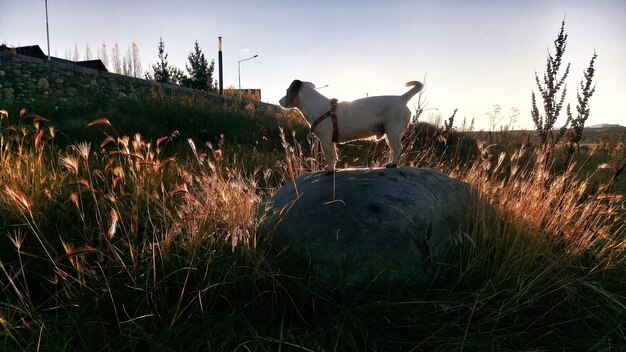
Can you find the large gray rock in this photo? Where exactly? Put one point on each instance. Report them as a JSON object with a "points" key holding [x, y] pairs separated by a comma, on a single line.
{"points": [[369, 227]]}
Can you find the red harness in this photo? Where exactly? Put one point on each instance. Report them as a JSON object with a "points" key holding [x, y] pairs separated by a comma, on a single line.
{"points": [[333, 116]]}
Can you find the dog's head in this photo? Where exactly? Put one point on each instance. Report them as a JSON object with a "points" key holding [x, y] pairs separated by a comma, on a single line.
{"points": [[291, 99]]}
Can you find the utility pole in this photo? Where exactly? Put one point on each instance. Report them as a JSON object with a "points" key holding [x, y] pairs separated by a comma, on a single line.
{"points": [[47, 30], [219, 63]]}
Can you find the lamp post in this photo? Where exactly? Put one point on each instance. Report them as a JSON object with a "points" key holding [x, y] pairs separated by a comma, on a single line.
{"points": [[219, 58], [47, 30], [239, 71]]}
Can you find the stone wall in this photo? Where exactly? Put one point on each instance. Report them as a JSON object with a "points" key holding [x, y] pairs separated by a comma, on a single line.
{"points": [[25, 80]]}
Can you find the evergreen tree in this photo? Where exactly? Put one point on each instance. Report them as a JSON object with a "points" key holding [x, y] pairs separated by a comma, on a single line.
{"points": [[200, 72], [177, 76], [161, 72]]}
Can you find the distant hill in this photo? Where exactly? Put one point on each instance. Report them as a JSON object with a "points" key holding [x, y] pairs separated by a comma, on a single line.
{"points": [[605, 125], [604, 131], [591, 134]]}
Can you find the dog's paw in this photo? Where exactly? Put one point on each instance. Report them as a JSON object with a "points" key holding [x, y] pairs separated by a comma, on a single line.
{"points": [[391, 165]]}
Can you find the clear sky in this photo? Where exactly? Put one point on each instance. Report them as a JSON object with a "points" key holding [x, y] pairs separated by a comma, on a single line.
{"points": [[474, 53]]}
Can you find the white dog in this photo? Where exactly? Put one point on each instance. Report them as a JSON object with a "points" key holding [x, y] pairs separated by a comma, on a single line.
{"points": [[340, 122]]}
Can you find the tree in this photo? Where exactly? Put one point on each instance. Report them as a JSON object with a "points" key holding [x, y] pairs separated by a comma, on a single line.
{"points": [[116, 60], [134, 59], [200, 72], [161, 71], [178, 76], [75, 54], [127, 69], [131, 66], [102, 54], [88, 54]]}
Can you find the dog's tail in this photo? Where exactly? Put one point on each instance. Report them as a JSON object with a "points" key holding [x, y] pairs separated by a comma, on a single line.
{"points": [[417, 86]]}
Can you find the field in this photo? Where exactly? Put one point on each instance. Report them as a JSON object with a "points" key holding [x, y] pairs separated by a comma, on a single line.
{"points": [[123, 229]]}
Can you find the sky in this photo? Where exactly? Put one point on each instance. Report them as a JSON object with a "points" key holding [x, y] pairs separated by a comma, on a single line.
{"points": [[472, 54]]}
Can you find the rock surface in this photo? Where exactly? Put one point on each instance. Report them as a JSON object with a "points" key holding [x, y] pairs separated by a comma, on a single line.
{"points": [[369, 227]]}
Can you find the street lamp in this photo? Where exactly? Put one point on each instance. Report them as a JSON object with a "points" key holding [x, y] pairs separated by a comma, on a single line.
{"points": [[219, 63], [239, 71], [47, 30]]}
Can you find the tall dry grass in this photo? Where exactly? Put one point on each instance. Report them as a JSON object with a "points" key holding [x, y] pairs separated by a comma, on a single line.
{"points": [[80, 220], [118, 245]]}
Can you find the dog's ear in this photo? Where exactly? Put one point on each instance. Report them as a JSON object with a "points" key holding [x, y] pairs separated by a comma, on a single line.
{"points": [[295, 86], [292, 91]]}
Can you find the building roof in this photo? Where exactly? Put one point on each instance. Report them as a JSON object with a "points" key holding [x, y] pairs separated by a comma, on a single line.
{"points": [[31, 50], [93, 64], [35, 51]]}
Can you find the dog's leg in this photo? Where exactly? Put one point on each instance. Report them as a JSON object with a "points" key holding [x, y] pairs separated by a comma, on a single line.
{"points": [[330, 154], [395, 145]]}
